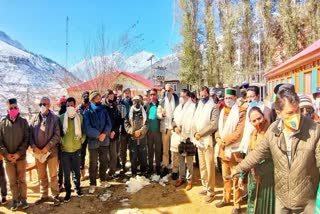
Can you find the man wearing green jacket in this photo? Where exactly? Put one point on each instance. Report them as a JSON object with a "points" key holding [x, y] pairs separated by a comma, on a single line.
{"points": [[72, 138]]}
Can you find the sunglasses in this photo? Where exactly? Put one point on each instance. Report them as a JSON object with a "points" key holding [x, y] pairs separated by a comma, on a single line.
{"points": [[42, 104], [153, 95], [11, 108]]}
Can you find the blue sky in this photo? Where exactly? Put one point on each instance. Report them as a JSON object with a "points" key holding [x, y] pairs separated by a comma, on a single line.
{"points": [[40, 25]]}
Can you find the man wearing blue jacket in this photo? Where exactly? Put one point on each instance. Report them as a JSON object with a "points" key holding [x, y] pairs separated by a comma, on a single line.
{"points": [[97, 127]]}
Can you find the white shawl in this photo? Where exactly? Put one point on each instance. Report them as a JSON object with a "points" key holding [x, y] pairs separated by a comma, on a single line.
{"points": [[248, 129], [229, 127], [183, 119], [201, 119], [77, 125], [169, 106]]}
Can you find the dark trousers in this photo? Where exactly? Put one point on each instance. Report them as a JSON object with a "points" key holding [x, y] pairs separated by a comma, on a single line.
{"points": [[100, 154], [71, 163], [154, 149], [113, 156], [138, 154], [124, 142], [3, 180], [83, 154], [60, 168]]}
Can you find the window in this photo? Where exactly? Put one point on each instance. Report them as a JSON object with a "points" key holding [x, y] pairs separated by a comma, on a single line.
{"points": [[307, 83], [175, 88]]}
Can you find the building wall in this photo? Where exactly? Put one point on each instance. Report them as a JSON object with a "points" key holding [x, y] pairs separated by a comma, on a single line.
{"points": [[306, 78]]}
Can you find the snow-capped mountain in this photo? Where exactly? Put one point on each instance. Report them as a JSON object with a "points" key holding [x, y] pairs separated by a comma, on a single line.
{"points": [[138, 63], [28, 76], [171, 71], [90, 68]]}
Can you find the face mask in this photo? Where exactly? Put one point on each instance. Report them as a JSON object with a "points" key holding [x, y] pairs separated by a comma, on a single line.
{"points": [[137, 105], [253, 103], [181, 100], [86, 100], [43, 109], [229, 103], [293, 121], [154, 99], [71, 111], [110, 101], [98, 103], [13, 113], [204, 100]]}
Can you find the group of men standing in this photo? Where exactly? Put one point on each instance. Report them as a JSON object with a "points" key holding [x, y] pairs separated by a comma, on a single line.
{"points": [[109, 126]]}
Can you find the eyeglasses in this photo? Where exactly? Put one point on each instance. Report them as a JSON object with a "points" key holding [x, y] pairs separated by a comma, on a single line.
{"points": [[11, 108], [153, 95], [307, 110], [42, 104]]}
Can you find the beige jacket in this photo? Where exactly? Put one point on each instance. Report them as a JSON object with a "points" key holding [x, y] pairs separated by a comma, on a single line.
{"points": [[295, 183]]}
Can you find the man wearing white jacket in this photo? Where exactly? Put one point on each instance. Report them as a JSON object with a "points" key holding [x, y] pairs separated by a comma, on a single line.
{"points": [[165, 114], [205, 124], [182, 124]]}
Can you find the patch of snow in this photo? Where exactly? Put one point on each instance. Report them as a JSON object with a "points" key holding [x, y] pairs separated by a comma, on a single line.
{"points": [[155, 178], [128, 211], [136, 184], [105, 196]]}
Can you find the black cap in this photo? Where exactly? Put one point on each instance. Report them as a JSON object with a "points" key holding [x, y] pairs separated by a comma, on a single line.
{"points": [[12, 101], [287, 86], [109, 92], [244, 85], [85, 93]]}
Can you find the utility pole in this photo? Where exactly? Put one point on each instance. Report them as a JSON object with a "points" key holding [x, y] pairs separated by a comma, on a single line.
{"points": [[67, 40], [259, 56], [152, 71]]}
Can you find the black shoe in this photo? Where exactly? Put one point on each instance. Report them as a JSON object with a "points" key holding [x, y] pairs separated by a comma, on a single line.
{"points": [[41, 200], [221, 204], [174, 176], [3, 200], [165, 172], [79, 193], [235, 211], [67, 197], [14, 206], [61, 189]]}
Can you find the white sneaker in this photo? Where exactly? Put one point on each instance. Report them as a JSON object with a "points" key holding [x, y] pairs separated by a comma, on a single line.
{"points": [[104, 184], [92, 189]]}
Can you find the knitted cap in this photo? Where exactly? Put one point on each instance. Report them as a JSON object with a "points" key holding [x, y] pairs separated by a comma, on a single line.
{"points": [[305, 101], [93, 94]]}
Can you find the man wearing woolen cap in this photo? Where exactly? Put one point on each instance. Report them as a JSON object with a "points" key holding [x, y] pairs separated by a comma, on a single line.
{"points": [[97, 127]]}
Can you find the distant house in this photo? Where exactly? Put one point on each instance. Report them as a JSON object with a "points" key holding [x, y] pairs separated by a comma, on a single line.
{"points": [[302, 70], [117, 81]]}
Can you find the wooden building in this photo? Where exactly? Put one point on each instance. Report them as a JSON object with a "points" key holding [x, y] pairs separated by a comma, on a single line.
{"points": [[302, 70]]}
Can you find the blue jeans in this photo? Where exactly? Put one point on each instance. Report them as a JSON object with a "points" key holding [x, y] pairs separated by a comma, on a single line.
{"points": [[71, 162]]}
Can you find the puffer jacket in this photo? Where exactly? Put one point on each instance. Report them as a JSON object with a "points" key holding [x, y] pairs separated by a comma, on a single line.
{"points": [[295, 183]]}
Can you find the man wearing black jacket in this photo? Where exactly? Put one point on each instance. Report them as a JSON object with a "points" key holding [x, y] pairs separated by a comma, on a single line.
{"points": [[125, 138], [115, 118]]}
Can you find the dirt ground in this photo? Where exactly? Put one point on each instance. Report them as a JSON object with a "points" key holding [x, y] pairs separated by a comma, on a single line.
{"points": [[153, 198]]}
